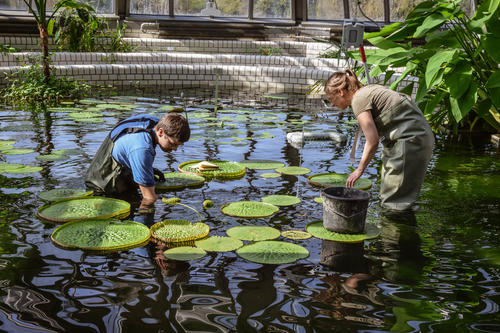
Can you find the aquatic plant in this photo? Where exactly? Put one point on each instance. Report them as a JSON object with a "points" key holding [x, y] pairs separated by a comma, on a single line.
{"points": [[175, 231], [262, 164], [253, 233], [179, 180], [317, 229], [177, 201], [337, 179], [226, 169], [272, 252], [219, 244], [184, 253], [281, 200], [296, 234], [293, 170], [249, 209], [208, 204], [63, 193], [18, 168]]}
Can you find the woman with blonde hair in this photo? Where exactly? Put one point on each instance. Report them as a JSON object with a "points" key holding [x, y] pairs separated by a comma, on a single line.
{"points": [[392, 118]]}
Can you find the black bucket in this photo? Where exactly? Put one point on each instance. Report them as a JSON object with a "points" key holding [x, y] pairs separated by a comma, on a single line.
{"points": [[344, 209]]}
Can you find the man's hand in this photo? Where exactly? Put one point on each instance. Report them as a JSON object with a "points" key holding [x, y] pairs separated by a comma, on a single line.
{"points": [[159, 174], [353, 177]]}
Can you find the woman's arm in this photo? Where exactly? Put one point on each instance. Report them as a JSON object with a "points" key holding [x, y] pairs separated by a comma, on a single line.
{"points": [[369, 129]]}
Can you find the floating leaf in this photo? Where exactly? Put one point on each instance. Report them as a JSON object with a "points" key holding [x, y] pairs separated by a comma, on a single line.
{"points": [[52, 157], [174, 231], [179, 180], [318, 200], [184, 253], [253, 233], [226, 170], [319, 231], [63, 193], [296, 234], [277, 96], [272, 252], [64, 109], [337, 179], [262, 164], [171, 201], [270, 175], [16, 151], [293, 170], [6, 143], [219, 244], [85, 208], [101, 234], [79, 115], [18, 168], [207, 204], [249, 209], [281, 200]]}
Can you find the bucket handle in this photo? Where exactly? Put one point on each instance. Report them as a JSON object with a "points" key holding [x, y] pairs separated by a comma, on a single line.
{"points": [[348, 217]]}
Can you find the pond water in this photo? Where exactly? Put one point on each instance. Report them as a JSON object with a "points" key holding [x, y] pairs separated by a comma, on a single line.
{"points": [[436, 270]]}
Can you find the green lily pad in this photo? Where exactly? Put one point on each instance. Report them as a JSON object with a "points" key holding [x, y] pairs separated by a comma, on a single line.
{"points": [[64, 109], [68, 151], [270, 175], [179, 180], [317, 229], [249, 209], [278, 96], [337, 179], [101, 234], [89, 101], [227, 169], [273, 252], [184, 253], [219, 244], [293, 170], [16, 151], [63, 193], [296, 234], [175, 231], [262, 164], [52, 157], [18, 168], [281, 200], [85, 208], [253, 233], [318, 200]]}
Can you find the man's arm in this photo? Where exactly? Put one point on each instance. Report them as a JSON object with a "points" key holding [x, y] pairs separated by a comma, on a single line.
{"points": [[148, 197]]}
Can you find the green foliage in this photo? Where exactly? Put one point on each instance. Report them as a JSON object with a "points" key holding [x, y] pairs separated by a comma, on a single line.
{"points": [[457, 67], [4, 49], [270, 51], [29, 86]]}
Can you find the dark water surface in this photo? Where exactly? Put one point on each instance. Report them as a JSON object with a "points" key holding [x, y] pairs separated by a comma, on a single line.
{"points": [[437, 270]]}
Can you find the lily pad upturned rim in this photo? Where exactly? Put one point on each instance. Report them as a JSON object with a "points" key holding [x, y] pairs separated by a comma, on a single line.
{"points": [[317, 229], [184, 253], [257, 233], [118, 214], [214, 173], [260, 164], [67, 193], [219, 243], [194, 180], [361, 184], [293, 170], [281, 200], [205, 229], [130, 245], [272, 209], [252, 251]]}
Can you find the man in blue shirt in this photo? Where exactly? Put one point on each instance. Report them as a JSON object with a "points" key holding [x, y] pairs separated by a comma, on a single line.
{"points": [[124, 162]]}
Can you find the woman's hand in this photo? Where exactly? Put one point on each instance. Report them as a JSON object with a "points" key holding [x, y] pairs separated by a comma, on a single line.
{"points": [[353, 177]]}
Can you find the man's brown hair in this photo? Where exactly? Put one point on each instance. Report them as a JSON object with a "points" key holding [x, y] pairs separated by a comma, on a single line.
{"points": [[175, 126]]}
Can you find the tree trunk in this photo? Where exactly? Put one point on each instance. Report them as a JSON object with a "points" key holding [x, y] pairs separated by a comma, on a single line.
{"points": [[44, 35]]}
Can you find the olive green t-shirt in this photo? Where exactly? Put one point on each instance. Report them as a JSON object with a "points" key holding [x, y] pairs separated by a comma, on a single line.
{"points": [[374, 98]]}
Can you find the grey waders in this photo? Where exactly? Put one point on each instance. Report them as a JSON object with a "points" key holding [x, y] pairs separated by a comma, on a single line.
{"points": [[105, 175], [407, 141]]}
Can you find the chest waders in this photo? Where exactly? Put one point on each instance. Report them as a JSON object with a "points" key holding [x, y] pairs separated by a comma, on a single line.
{"points": [[105, 175], [407, 141]]}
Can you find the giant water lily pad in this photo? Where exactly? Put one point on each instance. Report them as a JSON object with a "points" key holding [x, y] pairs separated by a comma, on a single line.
{"points": [[317, 229], [63, 193], [337, 179], [253, 233], [101, 234], [20, 151], [219, 244], [296, 234], [270, 175], [281, 200], [85, 208], [18, 168], [176, 231], [249, 209], [226, 170], [293, 170], [273, 252], [184, 253], [262, 164], [179, 180]]}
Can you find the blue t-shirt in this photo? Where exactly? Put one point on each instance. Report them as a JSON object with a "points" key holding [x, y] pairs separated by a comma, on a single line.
{"points": [[137, 152]]}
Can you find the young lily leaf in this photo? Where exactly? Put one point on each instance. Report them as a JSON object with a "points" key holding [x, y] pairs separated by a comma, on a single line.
{"points": [[337, 179], [296, 234], [16, 151], [249, 209], [293, 170], [52, 157], [270, 175], [262, 164], [226, 169], [272, 252], [179, 180], [281, 200], [219, 244], [174, 231], [85, 208], [317, 229], [18, 168], [253, 233], [101, 234], [207, 204], [318, 200], [184, 253], [63, 193]]}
